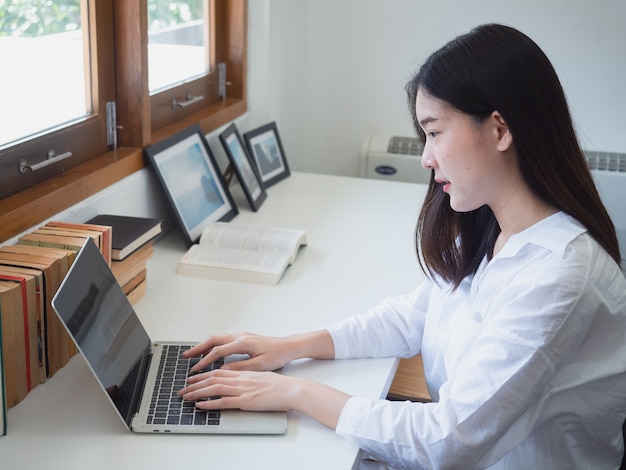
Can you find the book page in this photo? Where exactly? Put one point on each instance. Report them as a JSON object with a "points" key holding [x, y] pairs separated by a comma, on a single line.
{"points": [[241, 237], [235, 259]]}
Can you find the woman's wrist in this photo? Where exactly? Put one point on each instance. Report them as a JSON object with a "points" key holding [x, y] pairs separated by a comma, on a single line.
{"points": [[315, 345], [319, 401]]}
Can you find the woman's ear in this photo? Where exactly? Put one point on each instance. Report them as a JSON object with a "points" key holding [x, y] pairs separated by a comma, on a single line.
{"points": [[504, 136]]}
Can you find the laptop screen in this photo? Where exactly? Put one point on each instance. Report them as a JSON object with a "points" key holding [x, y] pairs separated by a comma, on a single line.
{"points": [[105, 327]]}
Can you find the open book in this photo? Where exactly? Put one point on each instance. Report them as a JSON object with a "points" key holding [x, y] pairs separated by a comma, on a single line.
{"points": [[234, 252]]}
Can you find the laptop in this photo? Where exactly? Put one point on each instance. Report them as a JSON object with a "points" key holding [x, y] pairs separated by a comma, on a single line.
{"points": [[138, 375]]}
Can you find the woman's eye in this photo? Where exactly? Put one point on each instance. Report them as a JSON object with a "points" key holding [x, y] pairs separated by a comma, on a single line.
{"points": [[432, 134]]}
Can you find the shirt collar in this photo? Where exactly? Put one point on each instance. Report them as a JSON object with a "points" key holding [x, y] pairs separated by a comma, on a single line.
{"points": [[554, 233]]}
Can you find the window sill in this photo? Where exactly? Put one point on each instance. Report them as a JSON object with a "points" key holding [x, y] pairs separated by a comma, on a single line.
{"points": [[27, 208]]}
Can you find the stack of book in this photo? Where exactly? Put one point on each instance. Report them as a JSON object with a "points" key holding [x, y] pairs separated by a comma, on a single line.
{"points": [[34, 343], [132, 247]]}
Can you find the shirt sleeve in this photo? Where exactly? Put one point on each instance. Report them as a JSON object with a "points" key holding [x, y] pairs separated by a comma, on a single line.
{"points": [[496, 394], [392, 328]]}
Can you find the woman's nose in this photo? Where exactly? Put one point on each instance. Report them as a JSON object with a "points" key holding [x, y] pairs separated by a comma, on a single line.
{"points": [[428, 160]]}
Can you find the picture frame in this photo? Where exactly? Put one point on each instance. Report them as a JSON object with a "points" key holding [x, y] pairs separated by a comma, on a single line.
{"points": [[266, 149], [244, 167], [192, 181]]}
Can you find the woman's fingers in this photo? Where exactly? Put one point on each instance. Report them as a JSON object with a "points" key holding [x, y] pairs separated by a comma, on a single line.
{"points": [[208, 344], [264, 353], [259, 391]]}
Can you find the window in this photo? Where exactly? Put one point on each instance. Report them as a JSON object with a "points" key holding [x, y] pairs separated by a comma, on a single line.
{"points": [[180, 63], [54, 40], [211, 32], [114, 67], [178, 43], [51, 101]]}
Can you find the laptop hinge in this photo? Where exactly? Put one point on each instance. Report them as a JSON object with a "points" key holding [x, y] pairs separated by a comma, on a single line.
{"points": [[140, 384]]}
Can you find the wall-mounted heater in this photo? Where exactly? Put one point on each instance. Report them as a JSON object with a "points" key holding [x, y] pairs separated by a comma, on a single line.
{"points": [[392, 158], [609, 173]]}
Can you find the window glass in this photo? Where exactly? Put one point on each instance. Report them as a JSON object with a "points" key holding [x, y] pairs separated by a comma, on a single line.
{"points": [[178, 36], [43, 46]]}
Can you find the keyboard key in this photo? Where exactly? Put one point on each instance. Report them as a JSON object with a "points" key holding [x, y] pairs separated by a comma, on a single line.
{"points": [[200, 418]]}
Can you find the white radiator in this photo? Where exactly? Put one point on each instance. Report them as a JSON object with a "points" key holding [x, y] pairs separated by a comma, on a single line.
{"points": [[392, 158], [609, 173]]}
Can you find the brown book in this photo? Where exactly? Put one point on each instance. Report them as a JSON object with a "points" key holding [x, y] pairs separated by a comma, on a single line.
{"points": [[134, 282], [138, 292], [13, 342], [54, 269], [37, 275], [105, 231], [65, 256], [128, 268], [52, 241], [58, 232], [29, 314]]}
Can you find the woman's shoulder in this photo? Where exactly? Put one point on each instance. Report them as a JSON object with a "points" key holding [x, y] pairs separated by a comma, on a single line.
{"points": [[554, 233], [566, 252]]}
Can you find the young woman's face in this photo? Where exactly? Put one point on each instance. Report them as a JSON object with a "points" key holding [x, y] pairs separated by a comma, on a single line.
{"points": [[464, 154]]}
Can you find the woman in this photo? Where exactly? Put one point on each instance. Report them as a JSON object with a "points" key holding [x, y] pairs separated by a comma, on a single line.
{"points": [[521, 320]]}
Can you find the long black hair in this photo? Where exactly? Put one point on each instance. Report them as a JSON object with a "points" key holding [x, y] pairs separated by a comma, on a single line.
{"points": [[498, 68]]}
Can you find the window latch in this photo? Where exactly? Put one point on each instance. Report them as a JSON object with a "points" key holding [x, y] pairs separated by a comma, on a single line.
{"points": [[222, 83], [112, 127]]}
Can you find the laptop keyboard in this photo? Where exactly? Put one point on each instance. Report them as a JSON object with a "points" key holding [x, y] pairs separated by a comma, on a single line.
{"points": [[166, 406]]}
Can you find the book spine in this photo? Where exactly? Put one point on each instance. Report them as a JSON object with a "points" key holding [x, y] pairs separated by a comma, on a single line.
{"points": [[3, 401], [27, 326]]}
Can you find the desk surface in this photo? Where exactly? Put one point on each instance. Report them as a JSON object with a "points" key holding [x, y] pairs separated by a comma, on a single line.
{"points": [[360, 249]]}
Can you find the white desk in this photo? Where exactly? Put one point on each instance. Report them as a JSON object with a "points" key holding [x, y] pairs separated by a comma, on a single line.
{"points": [[360, 235]]}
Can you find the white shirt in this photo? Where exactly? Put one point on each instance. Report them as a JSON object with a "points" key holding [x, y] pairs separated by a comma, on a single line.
{"points": [[525, 361]]}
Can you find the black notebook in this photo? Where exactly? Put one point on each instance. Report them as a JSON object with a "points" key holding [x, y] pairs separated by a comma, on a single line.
{"points": [[129, 233]]}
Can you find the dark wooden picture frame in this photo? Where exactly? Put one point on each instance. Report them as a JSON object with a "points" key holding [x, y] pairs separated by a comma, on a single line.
{"points": [[193, 182], [266, 149], [244, 167]]}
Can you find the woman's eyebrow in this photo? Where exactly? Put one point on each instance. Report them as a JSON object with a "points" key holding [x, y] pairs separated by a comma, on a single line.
{"points": [[427, 120]]}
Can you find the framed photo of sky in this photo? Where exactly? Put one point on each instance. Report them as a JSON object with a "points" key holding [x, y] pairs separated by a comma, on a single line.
{"points": [[192, 182], [244, 167]]}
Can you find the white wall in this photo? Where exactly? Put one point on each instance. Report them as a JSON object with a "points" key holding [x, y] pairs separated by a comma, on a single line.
{"points": [[331, 72]]}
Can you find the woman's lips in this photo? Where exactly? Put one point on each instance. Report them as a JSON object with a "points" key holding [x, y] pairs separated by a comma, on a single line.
{"points": [[445, 185]]}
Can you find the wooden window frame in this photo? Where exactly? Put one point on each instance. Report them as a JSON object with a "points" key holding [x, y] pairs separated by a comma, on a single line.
{"points": [[23, 210]]}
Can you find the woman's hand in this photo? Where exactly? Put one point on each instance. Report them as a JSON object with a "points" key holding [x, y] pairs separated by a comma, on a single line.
{"points": [[264, 391], [247, 390], [265, 352]]}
